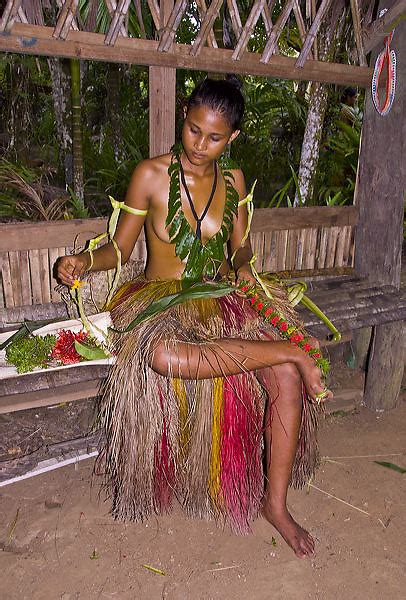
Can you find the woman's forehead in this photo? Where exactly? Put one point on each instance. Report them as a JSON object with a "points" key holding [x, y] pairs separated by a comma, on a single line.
{"points": [[206, 118]]}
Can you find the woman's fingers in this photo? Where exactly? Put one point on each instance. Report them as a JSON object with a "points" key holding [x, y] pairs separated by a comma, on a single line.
{"points": [[70, 268]]}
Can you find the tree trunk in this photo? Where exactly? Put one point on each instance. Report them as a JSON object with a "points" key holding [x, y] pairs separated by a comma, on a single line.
{"points": [[113, 109], [329, 36], [60, 95], [20, 111], [309, 156], [77, 149]]}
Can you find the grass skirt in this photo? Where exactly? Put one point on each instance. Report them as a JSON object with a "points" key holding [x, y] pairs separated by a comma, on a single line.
{"points": [[200, 442]]}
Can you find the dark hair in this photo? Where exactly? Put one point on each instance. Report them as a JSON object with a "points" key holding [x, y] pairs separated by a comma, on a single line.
{"points": [[349, 92], [221, 95]]}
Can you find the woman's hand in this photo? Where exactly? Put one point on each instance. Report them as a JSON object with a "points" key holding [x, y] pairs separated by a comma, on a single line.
{"points": [[69, 268], [244, 273]]}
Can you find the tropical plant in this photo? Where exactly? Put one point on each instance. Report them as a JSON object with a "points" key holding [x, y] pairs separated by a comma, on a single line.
{"points": [[335, 181], [27, 195]]}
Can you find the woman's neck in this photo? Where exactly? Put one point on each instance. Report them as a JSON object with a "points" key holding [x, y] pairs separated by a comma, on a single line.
{"points": [[200, 170]]}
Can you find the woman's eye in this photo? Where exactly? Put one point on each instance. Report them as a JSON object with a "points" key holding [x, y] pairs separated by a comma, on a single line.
{"points": [[194, 130]]}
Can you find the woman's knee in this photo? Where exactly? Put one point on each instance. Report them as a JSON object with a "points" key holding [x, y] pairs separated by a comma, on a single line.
{"points": [[160, 360], [288, 374]]}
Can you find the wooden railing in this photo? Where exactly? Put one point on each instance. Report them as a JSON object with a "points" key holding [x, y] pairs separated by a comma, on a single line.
{"points": [[284, 239]]}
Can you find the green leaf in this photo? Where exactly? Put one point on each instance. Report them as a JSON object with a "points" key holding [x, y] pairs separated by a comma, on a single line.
{"points": [[184, 244], [176, 223], [90, 352], [390, 465], [192, 292], [173, 209]]}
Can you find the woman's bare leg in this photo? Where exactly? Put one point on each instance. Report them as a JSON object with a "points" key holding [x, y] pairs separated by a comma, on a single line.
{"points": [[233, 356], [283, 383]]}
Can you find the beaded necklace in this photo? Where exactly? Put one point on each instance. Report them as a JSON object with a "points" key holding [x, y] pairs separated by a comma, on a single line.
{"points": [[203, 261]]}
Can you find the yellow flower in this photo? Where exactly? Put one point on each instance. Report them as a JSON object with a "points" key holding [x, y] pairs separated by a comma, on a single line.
{"points": [[77, 284]]}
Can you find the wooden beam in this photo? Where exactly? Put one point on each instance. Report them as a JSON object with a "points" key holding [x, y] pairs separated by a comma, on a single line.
{"points": [[162, 96], [57, 234], [248, 29], [52, 234], [385, 367], [38, 40], [206, 26], [47, 397], [380, 186], [117, 22], [305, 217], [381, 27], [311, 36], [356, 19], [381, 181], [276, 31], [168, 35], [9, 14]]}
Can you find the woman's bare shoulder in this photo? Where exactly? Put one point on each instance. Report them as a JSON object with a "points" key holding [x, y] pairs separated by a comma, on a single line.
{"points": [[148, 180], [238, 182], [150, 168]]}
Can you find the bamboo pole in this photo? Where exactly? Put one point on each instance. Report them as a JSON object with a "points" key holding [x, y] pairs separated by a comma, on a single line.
{"points": [[9, 14], [117, 22], [311, 36], [248, 29], [276, 31], [355, 11], [235, 17], [168, 35], [65, 19], [206, 26]]}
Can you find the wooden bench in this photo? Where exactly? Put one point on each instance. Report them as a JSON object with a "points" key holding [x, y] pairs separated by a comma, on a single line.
{"points": [[314, 243]]}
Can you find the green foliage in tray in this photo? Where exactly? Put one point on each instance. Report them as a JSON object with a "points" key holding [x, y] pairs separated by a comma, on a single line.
{"points": [[31, 352]]}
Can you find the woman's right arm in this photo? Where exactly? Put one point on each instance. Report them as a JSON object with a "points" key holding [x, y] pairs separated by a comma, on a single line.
{"points": [[129, 227]]}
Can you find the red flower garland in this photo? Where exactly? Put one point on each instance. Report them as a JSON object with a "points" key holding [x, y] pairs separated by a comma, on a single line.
{"points": [[287, 331]]}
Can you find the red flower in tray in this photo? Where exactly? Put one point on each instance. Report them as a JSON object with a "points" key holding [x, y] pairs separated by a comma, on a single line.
{"points": [[64, 349]]}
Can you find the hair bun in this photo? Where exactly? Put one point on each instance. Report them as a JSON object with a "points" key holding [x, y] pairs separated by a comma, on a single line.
{"points": [[235, 81]]}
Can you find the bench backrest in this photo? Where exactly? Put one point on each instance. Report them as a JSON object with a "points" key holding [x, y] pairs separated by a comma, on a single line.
{"points": [[284, 239]]}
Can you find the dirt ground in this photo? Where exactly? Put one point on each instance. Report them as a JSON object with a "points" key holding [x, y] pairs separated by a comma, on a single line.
{"points": [[59, 542]]}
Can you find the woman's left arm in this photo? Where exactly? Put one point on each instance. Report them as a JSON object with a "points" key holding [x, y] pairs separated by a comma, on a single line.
{"points": [[242, 251]]}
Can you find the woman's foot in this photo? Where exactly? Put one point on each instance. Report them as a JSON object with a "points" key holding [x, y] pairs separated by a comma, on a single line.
{"points": [[300, 540]]}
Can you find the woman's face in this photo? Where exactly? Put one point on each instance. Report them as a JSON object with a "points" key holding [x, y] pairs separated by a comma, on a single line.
{"points": [[205, 134]]}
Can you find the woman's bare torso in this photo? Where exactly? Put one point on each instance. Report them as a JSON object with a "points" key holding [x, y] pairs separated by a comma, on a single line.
{"points": [[162, 262]]}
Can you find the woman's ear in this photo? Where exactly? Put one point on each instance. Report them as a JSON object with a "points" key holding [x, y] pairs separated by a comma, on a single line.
{"points": [[184, 112], [235, 134]]}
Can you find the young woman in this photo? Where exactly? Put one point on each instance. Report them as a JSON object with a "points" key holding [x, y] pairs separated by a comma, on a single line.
{"points": [[198, 386]]}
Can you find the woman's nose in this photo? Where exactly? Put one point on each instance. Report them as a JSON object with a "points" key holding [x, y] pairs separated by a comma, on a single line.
{"points": [[201, 143]]}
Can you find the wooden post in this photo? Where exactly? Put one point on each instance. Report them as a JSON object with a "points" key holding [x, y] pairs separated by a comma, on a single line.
{"points": [[380, 188], [162, 92]]}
